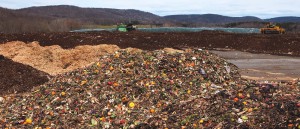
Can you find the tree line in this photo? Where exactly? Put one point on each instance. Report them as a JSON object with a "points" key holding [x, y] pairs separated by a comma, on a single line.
{"points": [[21, 25]]}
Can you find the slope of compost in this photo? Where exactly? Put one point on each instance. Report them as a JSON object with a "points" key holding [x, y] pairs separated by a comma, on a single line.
{"points": [[153, 89], [16, 77]]}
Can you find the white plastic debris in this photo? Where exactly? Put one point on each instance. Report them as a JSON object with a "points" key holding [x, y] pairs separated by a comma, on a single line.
{"points": [[240, 120]]}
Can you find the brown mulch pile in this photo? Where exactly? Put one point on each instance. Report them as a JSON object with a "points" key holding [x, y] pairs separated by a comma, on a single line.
{"points": [[17, 77], [287, 44], [53, 59]]}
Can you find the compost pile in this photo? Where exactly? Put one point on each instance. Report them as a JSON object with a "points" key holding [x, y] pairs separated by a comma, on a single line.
{"points": [[153, 89], [16, 77], [287, 44]]}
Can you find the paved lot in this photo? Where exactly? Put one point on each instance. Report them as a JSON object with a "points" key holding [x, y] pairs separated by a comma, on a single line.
{"points": [[263, 66]]}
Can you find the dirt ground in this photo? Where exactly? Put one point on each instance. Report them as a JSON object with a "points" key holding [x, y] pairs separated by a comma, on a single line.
{"points": [[287, 44]]}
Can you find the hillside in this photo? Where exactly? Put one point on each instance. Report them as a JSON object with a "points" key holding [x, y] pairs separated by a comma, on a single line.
{"points": [[93, 15], [6, 13], [65, 18], [210, 18], [284, 19], [291, 24], [219, 19]]}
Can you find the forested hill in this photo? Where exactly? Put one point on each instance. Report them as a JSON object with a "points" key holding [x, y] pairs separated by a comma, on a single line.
{"points": [[61, 18], [65, 18]]}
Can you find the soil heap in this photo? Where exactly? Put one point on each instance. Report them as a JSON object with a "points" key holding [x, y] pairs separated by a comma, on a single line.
{"points": [[153, 89], [16, 77], [286, 44]]}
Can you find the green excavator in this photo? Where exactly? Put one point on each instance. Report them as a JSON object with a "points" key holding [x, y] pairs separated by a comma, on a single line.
{"points": [[126, 28]]}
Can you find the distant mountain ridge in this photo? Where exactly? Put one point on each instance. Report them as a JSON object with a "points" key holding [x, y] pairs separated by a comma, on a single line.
{"points": [[284, 19], [210, 18], [112, 16], [218, 19], [6, 12], [65, 18], [106, 15], [97, 15]]}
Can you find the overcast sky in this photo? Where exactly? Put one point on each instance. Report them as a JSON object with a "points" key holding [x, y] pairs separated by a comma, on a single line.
{"points": [[259, 8]]}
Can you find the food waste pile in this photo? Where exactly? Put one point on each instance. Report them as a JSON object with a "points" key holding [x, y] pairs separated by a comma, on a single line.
{"points": [[154, 89]]}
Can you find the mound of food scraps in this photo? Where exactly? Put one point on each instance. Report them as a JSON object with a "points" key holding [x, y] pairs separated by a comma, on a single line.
{"points": [[153, 89]]}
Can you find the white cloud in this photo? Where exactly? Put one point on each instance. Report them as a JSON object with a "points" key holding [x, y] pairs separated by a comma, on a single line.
{"points": [[260, 8]]}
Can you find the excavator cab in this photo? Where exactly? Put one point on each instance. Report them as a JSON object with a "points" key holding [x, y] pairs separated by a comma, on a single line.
{"points": [[130, 27]]}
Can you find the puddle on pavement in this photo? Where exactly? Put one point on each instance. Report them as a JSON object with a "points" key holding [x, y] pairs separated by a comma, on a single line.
{"points": [[263, 66]]}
